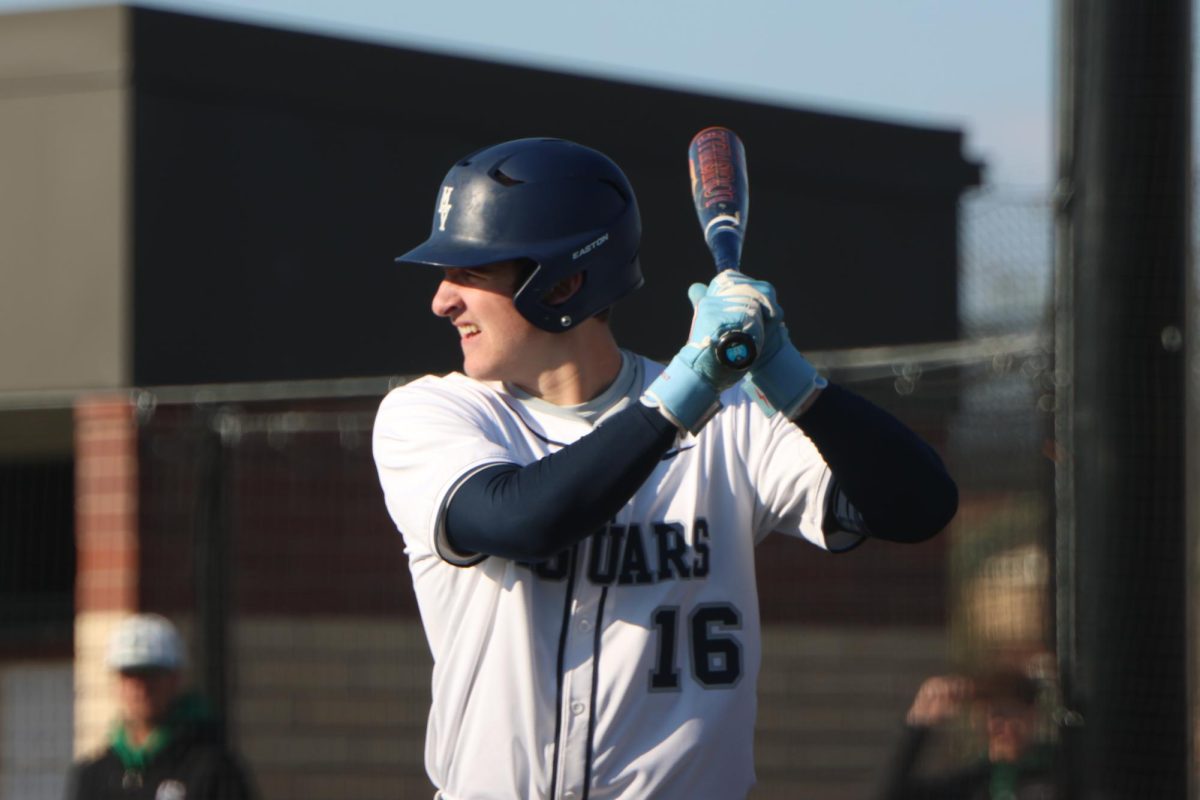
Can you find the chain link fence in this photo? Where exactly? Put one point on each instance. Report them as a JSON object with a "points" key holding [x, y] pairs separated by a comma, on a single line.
{"points": [[262, 531]]}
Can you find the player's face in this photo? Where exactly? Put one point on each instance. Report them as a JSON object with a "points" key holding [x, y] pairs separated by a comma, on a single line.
{"points": [[498, 344], [1010, 727], [146, 695]]}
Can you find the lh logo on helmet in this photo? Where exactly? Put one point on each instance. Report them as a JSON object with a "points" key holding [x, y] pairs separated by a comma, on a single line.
{"points": [[444, 206]]}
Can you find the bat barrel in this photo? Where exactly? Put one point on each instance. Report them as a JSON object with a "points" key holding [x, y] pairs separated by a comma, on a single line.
{"points": [[721, 198]]}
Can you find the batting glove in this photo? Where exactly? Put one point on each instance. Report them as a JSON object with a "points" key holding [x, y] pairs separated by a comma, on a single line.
{"points": [[780, 379], [688, 391]]}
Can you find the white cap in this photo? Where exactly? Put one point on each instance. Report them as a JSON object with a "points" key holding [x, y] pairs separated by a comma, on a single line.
{"points": [[145, 641]]}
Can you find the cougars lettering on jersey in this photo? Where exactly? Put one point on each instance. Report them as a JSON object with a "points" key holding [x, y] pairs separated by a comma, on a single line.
{"points": [[623, 555], [602, 672]]}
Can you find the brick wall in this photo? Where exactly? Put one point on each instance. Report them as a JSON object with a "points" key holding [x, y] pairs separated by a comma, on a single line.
{"points": [[106, 538]]}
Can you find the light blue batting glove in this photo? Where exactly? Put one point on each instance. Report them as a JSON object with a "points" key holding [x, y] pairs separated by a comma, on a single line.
{"points": [[781, 379], [688, 391]]}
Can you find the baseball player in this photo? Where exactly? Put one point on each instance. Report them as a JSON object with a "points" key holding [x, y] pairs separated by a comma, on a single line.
{"points": [[580, 521]]}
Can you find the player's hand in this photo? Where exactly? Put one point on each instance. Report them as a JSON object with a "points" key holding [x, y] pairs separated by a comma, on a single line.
{"points": [[938, 699], [732, 302], [780, 379], [688, 390]]}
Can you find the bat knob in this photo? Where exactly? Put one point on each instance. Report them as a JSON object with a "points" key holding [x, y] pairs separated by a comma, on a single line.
{"points": [[736, 349]]}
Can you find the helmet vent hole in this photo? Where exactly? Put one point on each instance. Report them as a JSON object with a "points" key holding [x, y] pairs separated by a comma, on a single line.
{"points": [[504, 180], [613, 185]]}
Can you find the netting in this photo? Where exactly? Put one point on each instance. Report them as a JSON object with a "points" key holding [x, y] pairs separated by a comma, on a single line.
{"points": [[266, 525], [37, 571], [262, 532]]}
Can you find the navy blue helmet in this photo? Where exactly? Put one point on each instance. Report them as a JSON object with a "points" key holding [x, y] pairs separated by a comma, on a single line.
{"points": [[565, 207]]}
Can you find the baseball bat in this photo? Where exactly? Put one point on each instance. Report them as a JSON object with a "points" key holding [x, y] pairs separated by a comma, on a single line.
{"points": [[721, 196]]}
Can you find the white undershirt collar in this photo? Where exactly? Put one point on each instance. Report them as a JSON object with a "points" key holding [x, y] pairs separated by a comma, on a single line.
{"points": [[624, 389]]}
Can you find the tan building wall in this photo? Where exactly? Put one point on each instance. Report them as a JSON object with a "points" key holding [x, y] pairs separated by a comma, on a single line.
{"points": [[63, 188]]}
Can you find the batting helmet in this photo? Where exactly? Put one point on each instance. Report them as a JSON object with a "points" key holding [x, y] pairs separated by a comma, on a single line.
{"points": [[565, 207], [145, 641]]}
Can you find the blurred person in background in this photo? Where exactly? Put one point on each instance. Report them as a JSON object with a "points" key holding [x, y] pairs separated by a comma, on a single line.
{"points": [[166, 744], [1003, 705]]}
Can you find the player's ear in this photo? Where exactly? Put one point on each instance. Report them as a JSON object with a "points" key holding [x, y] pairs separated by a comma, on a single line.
{"points": [[564, 290]]}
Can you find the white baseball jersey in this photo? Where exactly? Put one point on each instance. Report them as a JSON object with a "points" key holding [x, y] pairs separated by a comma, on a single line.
{"points": [[625, 667]]}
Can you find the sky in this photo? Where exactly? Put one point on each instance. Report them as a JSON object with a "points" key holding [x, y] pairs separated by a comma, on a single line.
{"points": [[985, 68]]}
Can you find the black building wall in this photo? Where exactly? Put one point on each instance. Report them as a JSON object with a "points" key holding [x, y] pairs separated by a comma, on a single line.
{"points": [[277, 174]]}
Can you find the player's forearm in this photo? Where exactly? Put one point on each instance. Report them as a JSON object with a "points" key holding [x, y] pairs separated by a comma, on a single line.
{"points": [[531, 513], [895, 480]]}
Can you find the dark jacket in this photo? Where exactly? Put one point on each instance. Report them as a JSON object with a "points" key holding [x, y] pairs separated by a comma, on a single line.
{"points": [[1034, 777], [191, 765]]}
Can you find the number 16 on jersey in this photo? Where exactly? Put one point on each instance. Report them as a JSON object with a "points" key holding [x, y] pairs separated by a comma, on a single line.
{"points": [[714, 656]]}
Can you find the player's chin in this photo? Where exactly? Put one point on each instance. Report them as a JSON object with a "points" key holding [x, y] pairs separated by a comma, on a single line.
{"points": [[481, 369], [472, 363]]}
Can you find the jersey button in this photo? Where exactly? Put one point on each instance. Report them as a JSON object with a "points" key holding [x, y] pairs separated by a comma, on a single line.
{"points": [[585, 625], [576, 708]]}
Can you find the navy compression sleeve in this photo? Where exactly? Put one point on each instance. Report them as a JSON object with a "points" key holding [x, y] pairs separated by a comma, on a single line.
{"points": [[531, 513], [893, 478]]}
